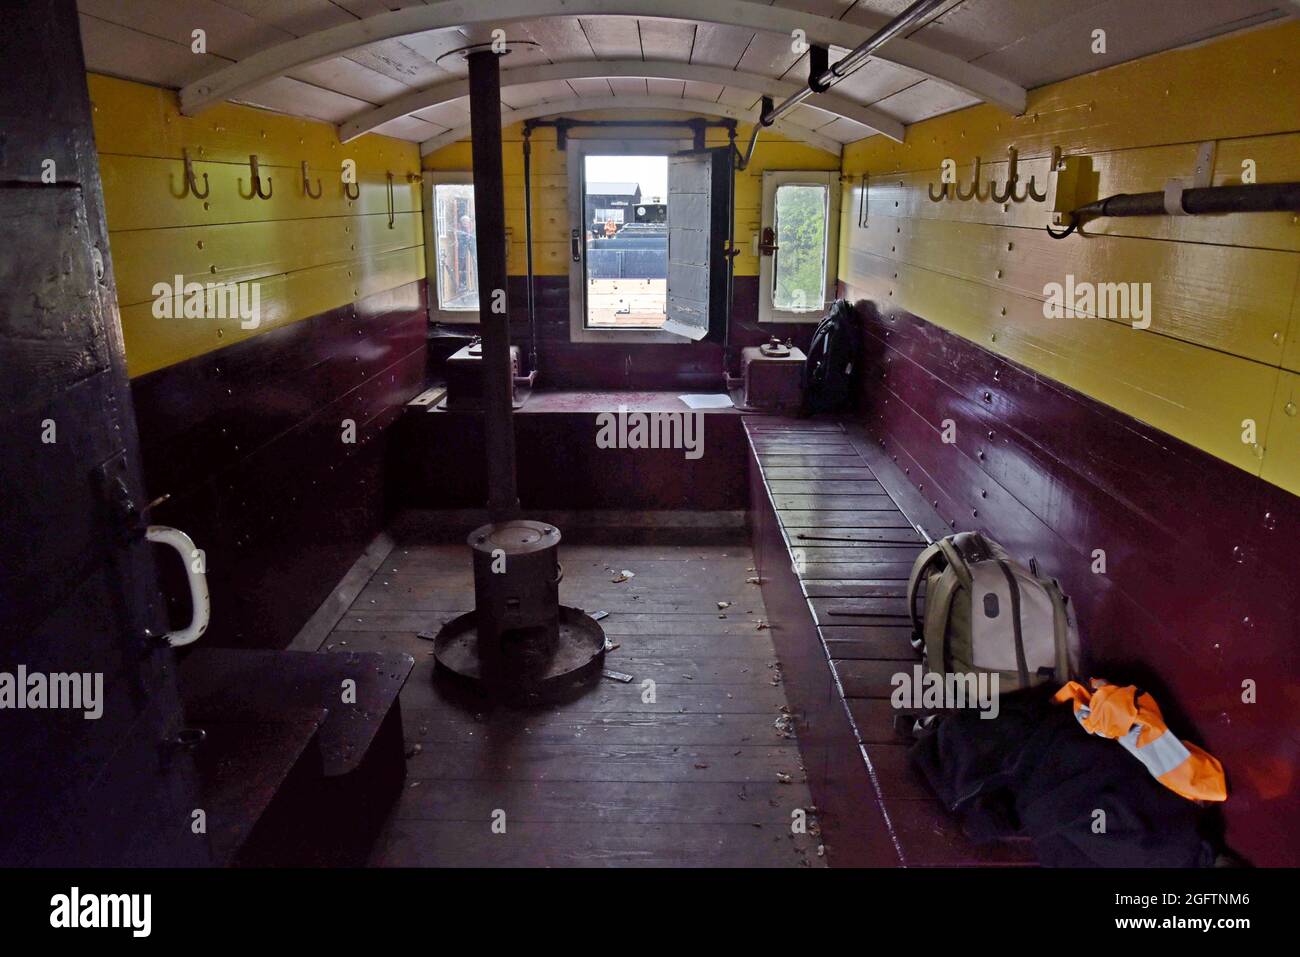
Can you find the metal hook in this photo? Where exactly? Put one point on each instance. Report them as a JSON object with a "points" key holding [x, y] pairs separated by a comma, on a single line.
{"points": [[1056, 162], [306, 183], [943, 193], [191, 181], [1013, 176], [256, 182], [392, 209], [1074, 224], [348, 193], [974, 192]]}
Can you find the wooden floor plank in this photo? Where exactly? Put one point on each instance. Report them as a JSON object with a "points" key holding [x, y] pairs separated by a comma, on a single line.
{"points": [[689, 764], [594, 844]]}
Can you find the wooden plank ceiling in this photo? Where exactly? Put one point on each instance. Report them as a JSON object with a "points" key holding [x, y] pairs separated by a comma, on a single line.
{"points": [[1031, 42]]}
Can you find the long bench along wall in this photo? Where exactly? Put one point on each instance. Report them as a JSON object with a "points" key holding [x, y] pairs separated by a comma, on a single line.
{"points": [[1120, 458]]}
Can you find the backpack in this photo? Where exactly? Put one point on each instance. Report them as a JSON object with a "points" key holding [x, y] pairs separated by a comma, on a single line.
{"points": [[830, 373], [986, 613]]}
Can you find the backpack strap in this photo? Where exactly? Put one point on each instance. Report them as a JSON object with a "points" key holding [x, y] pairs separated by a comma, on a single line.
{"points": [[930, 555], [1061, 622]]}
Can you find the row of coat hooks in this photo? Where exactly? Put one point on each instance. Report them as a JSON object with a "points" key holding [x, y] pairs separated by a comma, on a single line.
{"points": [[256, 189], [1009, 191]]}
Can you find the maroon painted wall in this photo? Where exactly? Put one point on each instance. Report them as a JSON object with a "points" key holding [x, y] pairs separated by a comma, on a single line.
{"points": [[1199, 593], [245, 443]]}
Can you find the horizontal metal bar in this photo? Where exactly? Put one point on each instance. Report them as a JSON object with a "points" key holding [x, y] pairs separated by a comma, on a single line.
{"points": [[856, 57]]}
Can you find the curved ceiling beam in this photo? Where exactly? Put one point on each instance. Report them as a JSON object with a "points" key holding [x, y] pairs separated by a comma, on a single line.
{"points": [[584, 103], [236, 78], [598, 69]]}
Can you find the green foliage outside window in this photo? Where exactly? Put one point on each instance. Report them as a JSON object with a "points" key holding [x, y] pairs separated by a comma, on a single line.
{"points": [[801, 240]]}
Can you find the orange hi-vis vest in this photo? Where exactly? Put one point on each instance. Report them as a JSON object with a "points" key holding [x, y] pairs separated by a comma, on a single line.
{"points": [[1134, 720]]}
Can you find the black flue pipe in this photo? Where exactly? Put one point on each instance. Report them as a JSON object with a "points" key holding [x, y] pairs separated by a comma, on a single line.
{"points": [[1197, 201], [528, 246], [493, 308], [1253, 198]]}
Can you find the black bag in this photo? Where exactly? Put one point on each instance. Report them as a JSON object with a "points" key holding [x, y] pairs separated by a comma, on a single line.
{"points": [[1034, 772], [830, 375]]}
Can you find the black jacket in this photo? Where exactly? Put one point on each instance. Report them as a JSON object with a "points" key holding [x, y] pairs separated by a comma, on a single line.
{"points": [[1032, 771]]}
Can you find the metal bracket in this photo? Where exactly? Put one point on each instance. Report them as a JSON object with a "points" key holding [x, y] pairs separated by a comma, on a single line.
{"points": [[1202, 176], [1063, 186], [818, 63]]}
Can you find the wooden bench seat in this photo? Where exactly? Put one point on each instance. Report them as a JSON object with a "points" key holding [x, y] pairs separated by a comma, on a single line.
{"points": [[296, 769], [833, 551]]}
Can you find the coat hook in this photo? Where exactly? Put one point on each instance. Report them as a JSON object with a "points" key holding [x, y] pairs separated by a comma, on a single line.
{"points": [[974, 192], [943, 193], [306, 183], [349, 192], [256, 182], [392, 210], [1013, 176], [1056, 161], [191, 181]]}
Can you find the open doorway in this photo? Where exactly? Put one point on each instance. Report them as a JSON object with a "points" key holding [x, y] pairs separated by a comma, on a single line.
{"points": [[625, 237]]}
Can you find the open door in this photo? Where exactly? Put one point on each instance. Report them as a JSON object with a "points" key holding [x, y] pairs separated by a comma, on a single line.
{"points": [[96, 773], [699, 213]]}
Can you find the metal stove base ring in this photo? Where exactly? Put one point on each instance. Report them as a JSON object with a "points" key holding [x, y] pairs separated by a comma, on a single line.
{"points": [[579, 655]]}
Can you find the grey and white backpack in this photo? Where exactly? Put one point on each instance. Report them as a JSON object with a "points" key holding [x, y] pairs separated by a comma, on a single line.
{"points": [[985, 613]]}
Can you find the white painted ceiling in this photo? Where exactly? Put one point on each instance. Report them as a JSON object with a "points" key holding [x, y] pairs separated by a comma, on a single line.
{"points": [[1031, 42]]}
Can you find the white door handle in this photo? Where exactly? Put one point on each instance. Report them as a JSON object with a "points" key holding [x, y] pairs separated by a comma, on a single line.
{"points": [[192, 558]]}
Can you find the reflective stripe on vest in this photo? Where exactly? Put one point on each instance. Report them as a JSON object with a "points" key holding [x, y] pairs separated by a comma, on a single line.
{"points": [[1160, 756]]}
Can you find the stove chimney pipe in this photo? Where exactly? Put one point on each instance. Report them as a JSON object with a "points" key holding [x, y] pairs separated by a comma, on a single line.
{"points": [[493, 311]]}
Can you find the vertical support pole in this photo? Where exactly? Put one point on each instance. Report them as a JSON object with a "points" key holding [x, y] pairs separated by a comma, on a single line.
{"points": [[494, 319]]}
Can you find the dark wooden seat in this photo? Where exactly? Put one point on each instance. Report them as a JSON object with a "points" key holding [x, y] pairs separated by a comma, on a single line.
{"points": [[834, 551], [296, 768]]}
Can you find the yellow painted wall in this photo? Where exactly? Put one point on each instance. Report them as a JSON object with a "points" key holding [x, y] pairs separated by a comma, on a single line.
{"points": [[308, 255], [1224, 343], [550, 186]]}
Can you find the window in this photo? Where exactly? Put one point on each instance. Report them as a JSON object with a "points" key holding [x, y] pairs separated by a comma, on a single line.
{"points": [[797, 271], [451, 256]]}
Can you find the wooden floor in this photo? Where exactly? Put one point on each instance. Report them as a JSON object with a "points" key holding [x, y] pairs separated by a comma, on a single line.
{"points": [[700, 775]]}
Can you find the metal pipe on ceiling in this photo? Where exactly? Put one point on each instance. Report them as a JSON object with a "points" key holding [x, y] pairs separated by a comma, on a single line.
{"points": [[854, 60]]}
